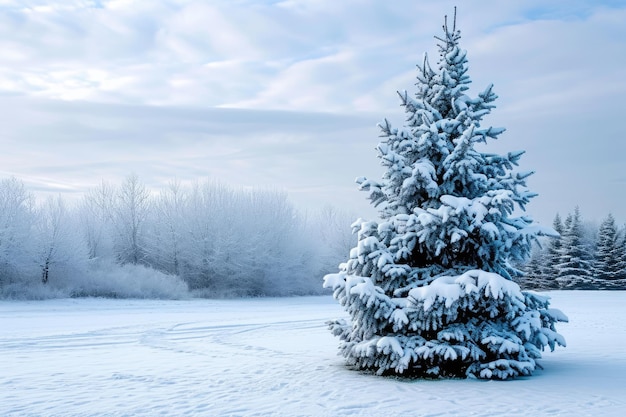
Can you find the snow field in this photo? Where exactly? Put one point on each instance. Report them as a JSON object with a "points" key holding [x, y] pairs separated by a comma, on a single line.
{"points": [[274, 357]]}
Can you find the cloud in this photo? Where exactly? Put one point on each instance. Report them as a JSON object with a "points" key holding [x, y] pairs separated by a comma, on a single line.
{"points": [[288, 92], [70, 147]]}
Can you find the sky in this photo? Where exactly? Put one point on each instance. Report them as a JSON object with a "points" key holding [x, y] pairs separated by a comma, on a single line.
{"points": [[286, 95]]}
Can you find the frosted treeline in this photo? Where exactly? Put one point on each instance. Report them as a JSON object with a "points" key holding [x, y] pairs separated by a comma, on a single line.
{"points": [[586, 256], [207, 239]]}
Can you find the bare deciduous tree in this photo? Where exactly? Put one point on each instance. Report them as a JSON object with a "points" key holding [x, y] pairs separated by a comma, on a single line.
{"points": [[130, 211], [96, 216], [16, 216]]}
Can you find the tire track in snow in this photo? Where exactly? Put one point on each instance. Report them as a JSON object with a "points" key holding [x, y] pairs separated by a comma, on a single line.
{"points": [[183, 337], [273, 358], [104, 337]]}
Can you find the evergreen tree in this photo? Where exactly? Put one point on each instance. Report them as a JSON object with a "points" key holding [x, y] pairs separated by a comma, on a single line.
{"points": [[608, 257], [553, 256], [575, 269], [428, 288], [618, 282], [536, 274], [622, 255]]}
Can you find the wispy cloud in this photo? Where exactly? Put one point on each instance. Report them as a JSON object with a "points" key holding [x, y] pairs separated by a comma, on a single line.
{"points": [[71, 146], [287, 93]]}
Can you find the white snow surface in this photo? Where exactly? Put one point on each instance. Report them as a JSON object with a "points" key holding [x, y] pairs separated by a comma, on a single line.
{"points": [[275, 357]]}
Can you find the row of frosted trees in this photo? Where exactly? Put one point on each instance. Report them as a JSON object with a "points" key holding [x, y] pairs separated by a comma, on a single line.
{"points": [[129, 241], [585, 257]]}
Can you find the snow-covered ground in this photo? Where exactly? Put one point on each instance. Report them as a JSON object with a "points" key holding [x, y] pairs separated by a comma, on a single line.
{"points": [[274, 357]]}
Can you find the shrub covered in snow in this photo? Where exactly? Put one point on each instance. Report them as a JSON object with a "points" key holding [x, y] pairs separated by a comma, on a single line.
{"points": [[429, 288], [129, 281]]}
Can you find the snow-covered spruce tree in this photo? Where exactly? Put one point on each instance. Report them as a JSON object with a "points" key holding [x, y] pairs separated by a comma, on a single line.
{"points": [[609, 256], [622, 255], [575, 269], [620, 282], [428, 288], [536, 275], [553, 256]]}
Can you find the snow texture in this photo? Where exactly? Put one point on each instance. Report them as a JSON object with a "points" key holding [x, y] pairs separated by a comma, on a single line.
{"points": [[274, 357]]}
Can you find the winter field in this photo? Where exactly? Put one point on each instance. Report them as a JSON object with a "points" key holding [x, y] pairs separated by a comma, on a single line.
{"points": [[274, 357]]}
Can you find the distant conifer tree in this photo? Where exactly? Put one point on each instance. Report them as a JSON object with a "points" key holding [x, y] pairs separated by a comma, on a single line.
{"points": [[575, 268], [608, 257]]}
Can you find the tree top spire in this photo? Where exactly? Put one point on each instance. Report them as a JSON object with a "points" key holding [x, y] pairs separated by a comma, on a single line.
{"points": [[445, 19]]}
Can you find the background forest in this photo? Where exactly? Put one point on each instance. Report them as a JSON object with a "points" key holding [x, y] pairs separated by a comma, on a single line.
{"points": [[212, 240], [126, 241], [587, 256]]}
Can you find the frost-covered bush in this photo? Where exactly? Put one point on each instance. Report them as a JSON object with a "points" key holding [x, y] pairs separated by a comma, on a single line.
{"points": [[128, 281], [32, 290], [429, 288], [100, 279]]}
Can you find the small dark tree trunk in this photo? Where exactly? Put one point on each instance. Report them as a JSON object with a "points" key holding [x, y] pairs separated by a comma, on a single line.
{"points": [[46, 271]]}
